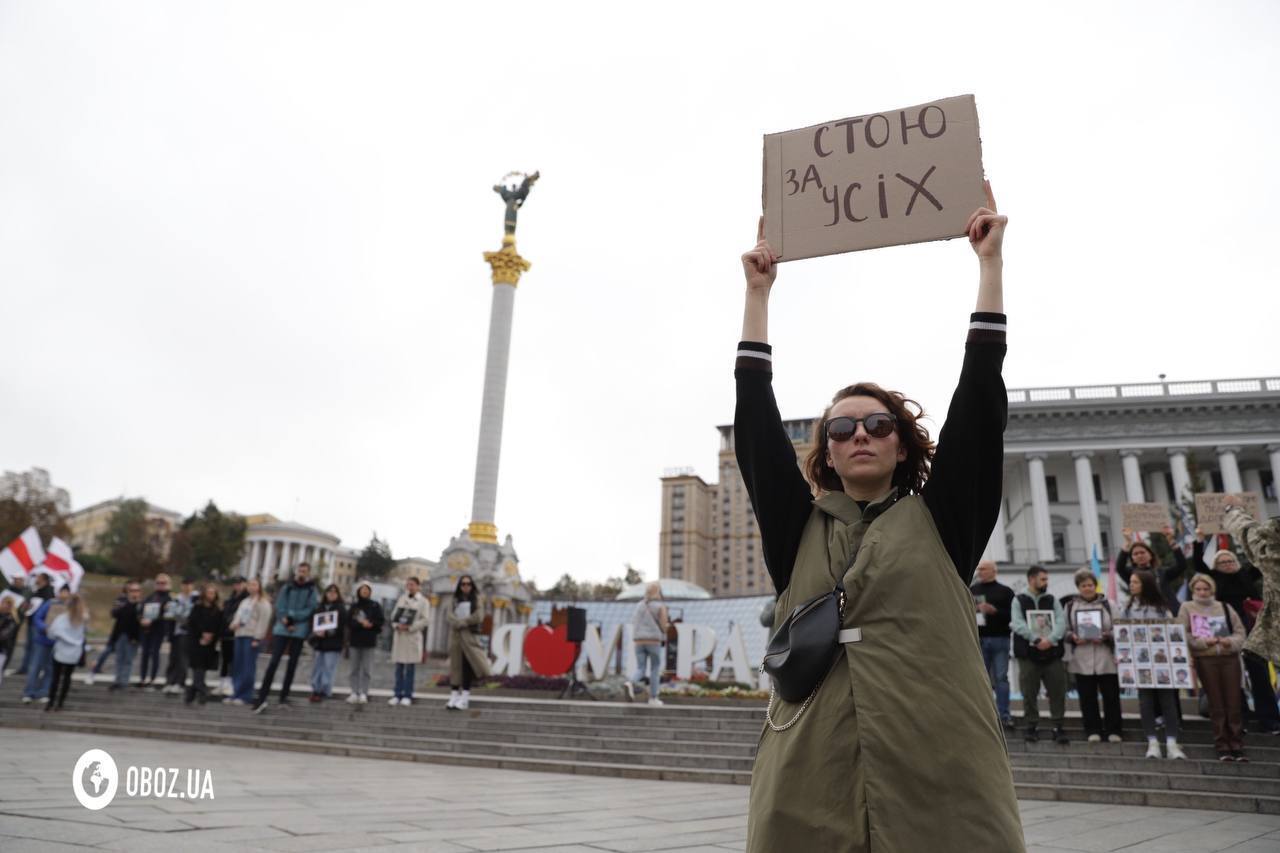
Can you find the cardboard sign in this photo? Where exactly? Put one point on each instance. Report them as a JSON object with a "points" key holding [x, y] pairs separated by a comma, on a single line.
{"points": [[1144, 518], [884, 179], [1210, 508]]}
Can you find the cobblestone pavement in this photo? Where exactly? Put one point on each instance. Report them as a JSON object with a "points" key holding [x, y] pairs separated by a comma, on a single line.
{"points": [[276, 801]]}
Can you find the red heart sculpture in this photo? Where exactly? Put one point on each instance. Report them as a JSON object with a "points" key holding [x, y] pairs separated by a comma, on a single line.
{"points": [[549, 651]]}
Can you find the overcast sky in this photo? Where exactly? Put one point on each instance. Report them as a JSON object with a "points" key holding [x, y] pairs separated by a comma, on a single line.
{"points": [[240, 243]]}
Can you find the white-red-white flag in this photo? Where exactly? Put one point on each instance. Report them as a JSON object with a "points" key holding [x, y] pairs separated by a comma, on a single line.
{"points": [[61, 566], [22, 555]]}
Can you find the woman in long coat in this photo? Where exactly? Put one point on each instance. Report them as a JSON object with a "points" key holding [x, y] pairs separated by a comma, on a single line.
{"points": [[467, 657], [204, 630], [899, 748]]}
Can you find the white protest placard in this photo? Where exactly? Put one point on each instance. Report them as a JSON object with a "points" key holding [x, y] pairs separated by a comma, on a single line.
{"points": [[883, 179], [325, 620], [1144, 518], [1211, 506]]}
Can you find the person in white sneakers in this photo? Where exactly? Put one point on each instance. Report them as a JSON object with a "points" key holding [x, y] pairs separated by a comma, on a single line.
{"points": [[467, 657], [649, 623], [365, 621], [1147, 602], [409, 625]]}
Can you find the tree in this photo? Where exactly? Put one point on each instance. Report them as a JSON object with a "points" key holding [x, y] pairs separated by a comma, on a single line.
{"points": [[375, 560], [633, 577], [566, 589], [128, 543], [209, 543], [608, 590], [30, 500]]}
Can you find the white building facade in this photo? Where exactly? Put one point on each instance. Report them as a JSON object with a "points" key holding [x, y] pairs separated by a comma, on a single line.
{"points": [[273, 548], [1074, 455]]}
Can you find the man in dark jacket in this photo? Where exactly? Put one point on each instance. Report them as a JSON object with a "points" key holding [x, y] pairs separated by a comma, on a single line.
{"points": [[127, 631], [110, 647], [238, 594], [156, 628], [1038, 647], [993, 603], [295, 605]]}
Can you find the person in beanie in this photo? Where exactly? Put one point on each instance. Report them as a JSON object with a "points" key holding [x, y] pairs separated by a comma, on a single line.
{"points": [[127, 630], [1147, 602], [328, 644], [67, 632], [295, 604], [409, 621], [1091, 658], [1215, 635], [873, 758], [228, 650], [467, 658], [204, 633], [252, 627], [993, 605], [364, 623], [1040, 657]]}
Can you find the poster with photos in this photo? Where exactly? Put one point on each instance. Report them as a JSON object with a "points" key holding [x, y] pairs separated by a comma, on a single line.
{"points": [[1153, 655]]}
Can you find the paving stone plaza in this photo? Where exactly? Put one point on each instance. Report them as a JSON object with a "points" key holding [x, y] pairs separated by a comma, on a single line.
{"points": [[269, 800]]}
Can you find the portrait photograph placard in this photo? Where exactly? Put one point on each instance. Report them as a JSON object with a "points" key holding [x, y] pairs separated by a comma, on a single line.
{"points": [[325, 620], [1041, 623], [1088, 624]]}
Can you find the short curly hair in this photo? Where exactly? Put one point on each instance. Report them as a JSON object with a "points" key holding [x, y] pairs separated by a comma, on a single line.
{"points": [[910, 474]]}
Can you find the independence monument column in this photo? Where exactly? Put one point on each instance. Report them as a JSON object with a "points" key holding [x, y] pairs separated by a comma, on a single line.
{"points": [[507, 266]]}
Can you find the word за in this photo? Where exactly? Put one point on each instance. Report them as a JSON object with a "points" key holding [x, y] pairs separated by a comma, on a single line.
{"points": [[844, 203]]}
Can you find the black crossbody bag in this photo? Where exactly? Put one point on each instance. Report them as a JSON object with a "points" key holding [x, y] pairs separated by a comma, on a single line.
{"points": [[801, 651]]}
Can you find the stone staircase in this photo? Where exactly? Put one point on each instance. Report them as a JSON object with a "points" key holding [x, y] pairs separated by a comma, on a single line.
{"points": [[696, 743]]}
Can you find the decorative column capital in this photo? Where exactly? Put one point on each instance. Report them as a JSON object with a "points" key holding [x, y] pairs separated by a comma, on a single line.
{"points": [[483, 531], [1227, 449], [1176, 451], [1133, 453], [1273, 448], [1082, 454], [1038, 455], [506, 263]]}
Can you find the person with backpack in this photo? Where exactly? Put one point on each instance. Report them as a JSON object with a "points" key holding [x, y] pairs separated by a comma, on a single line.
{"points": [[649, 623], [1215, 635], [327, 644], [295, 604], [364, 623], [1038, 648], [1091, 658], [1146, 602]]}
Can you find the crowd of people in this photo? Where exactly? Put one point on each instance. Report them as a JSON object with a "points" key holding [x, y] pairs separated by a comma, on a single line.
{"points": [[1216, 598], [208, 637]]}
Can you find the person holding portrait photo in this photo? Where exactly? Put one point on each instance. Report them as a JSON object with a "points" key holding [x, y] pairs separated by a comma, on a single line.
{"points": [[1091, 660], [1147, 602], [409, 619], [1215, 635], [329, 628]]}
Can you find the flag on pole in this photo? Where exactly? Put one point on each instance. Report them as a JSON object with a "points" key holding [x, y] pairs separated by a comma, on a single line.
{"points": [[61, 566], [1112, 581], [22, 555], [1093, 563]]}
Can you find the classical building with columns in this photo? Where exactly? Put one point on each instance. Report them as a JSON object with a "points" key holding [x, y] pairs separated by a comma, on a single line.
{"points": [[1073, 455], [273, 547]]}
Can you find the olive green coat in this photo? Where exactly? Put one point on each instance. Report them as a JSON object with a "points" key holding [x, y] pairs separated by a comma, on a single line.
{"points": [[464, 643], [901, 749]]}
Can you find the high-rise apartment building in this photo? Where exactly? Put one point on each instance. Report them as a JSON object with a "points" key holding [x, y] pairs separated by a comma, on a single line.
{"points": [[709, 535]]}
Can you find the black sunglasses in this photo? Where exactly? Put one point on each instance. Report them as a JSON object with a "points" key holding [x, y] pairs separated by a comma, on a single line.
{"points": [[877, 425]]}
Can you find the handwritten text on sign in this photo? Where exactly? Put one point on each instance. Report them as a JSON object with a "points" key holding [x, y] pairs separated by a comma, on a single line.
{"points": [[884, 179]]}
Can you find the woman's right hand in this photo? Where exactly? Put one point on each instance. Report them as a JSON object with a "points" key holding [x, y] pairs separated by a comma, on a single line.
{"points": [[760, 264], [1128, 536]]}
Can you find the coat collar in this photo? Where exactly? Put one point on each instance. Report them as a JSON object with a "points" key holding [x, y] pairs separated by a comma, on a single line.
{"points": [[845, 509]]}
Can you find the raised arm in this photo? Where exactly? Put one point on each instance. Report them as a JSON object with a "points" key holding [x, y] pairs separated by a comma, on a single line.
{"points": [[778, 491], [966, 479]]}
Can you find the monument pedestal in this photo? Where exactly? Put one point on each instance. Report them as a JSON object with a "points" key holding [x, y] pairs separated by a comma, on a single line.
{"points": [[495, 568]]}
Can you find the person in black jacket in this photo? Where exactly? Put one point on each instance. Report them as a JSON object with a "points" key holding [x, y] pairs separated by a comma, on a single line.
{"points": [[364, 621], [110, 647], [1136, 554], [327, 642], [993, 604], [36, 593], [155, 628], [1238, 583], [8, 632], [204, 630], [238, 594], [127, 631]]}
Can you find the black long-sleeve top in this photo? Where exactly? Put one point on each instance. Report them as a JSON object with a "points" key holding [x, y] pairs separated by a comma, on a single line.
{"points": [[1233, 587], [965, 481], [1168, 578]]}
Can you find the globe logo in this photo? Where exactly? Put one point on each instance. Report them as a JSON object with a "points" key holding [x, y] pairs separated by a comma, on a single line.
{"points": [[95, 779]]}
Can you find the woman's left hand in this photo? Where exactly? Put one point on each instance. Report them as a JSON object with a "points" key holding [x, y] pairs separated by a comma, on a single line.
{"points": [[986, 228]]}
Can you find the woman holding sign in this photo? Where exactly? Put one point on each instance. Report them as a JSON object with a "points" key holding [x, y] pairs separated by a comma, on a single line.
{"points": [[328, 632], [871, 758], [467, 658]]}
